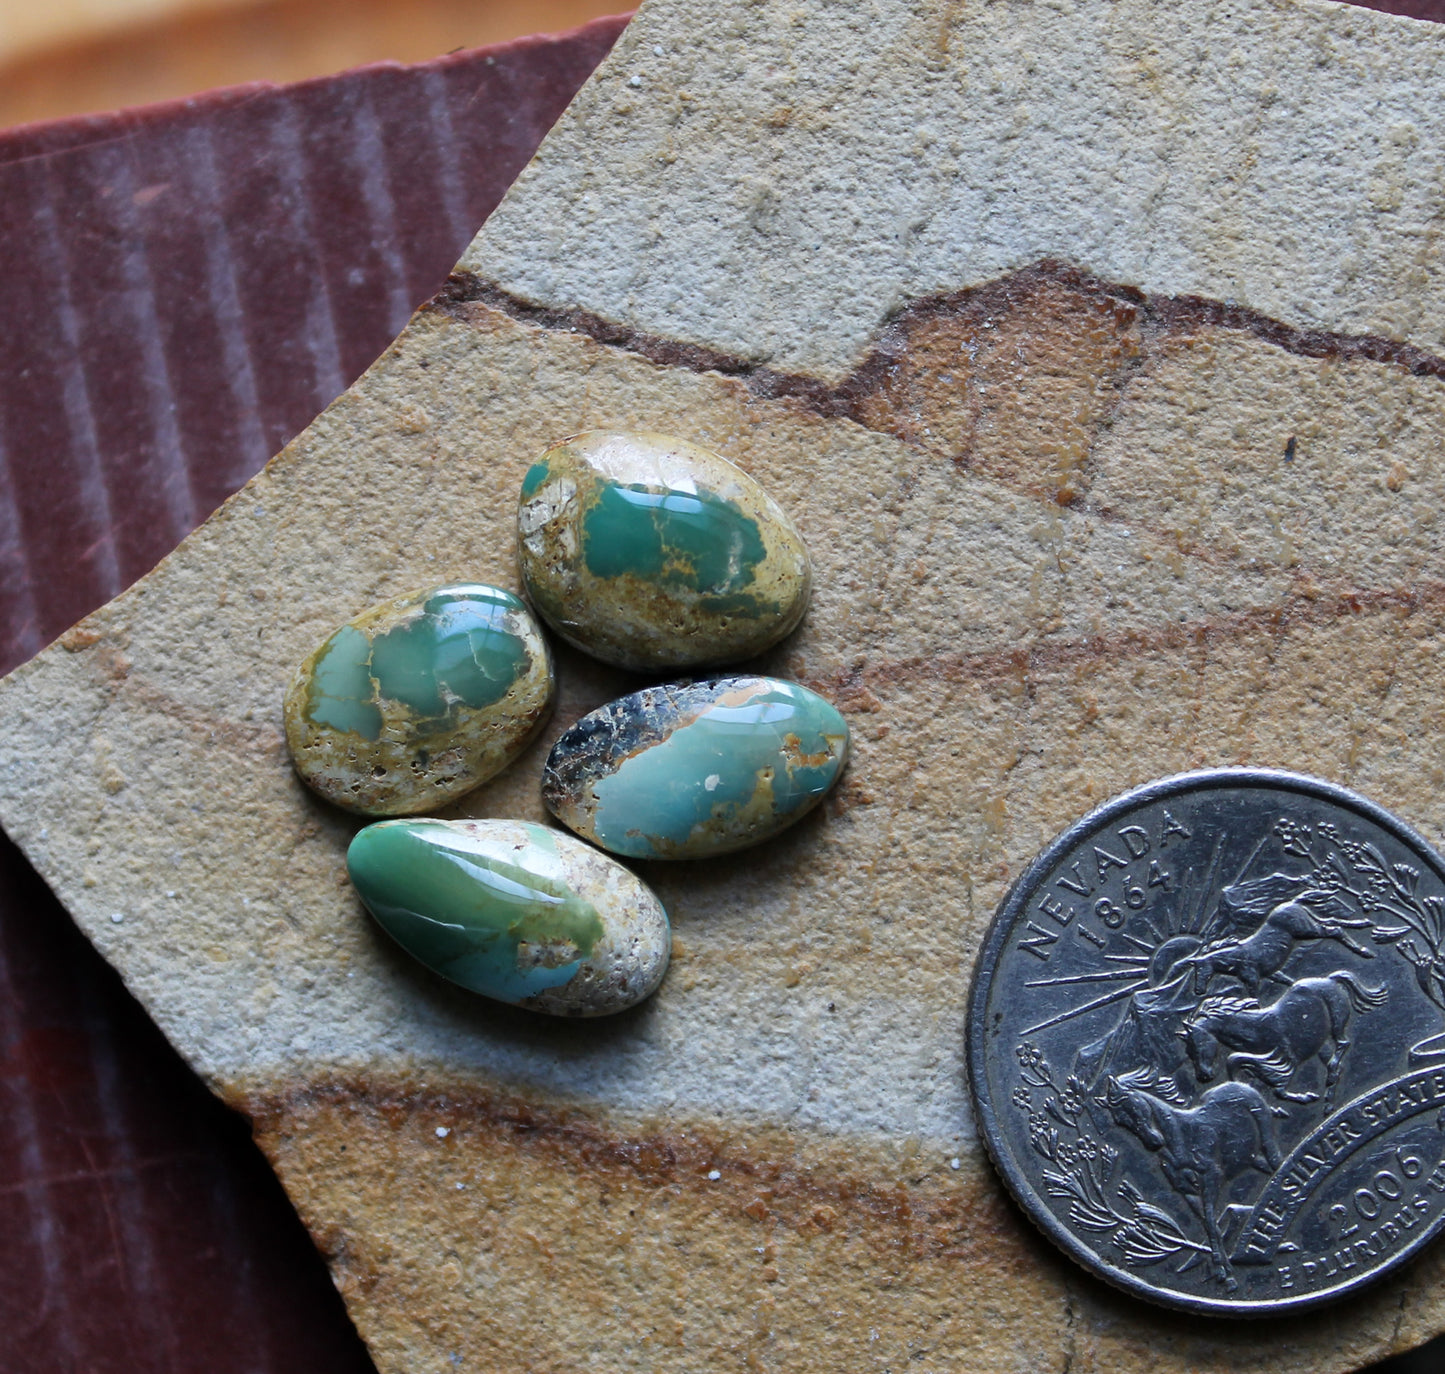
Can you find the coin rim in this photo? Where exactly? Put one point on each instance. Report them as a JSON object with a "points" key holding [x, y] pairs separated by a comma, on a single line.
{"points": [[1012, 907]]}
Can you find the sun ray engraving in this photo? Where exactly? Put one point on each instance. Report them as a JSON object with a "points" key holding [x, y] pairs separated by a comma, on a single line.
{"points": [[1211, 876], [1109, 976], [1088, 1006]]}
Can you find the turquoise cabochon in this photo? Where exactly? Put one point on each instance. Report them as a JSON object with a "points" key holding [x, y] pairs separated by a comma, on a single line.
{"points": [[694, 770], [514, 911]]}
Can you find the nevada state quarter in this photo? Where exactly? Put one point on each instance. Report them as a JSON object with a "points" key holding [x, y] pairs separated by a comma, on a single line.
{"points": [[1207, 1042]]}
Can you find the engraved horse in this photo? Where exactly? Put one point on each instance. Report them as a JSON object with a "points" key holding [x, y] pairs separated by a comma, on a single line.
{"points": [[1310, 1019], [1314, 914], [1202, 1148]]}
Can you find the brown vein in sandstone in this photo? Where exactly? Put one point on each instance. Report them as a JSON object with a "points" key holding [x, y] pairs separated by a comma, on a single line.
{"points": [[964, 1218], [115, 678], [864, 1223], [1013, 380], [1307, 605], [1304, 607], [845, 399], [1028, 338]]}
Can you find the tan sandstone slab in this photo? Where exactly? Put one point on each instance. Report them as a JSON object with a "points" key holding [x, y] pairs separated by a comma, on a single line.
{"points": [[1095, 349]]}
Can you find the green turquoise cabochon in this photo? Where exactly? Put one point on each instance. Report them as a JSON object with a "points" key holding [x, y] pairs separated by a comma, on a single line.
{"points": [[518, 912], [653, 553], [684, 772], [419, 699]]}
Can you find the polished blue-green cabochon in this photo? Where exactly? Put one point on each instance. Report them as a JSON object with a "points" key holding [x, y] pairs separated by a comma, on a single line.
{"points": [[419, 699], [655, 554], [685, 772], [517, 912]]}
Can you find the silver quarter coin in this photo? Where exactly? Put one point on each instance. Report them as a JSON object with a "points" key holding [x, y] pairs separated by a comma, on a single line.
{"points": [[1207, 1042]]}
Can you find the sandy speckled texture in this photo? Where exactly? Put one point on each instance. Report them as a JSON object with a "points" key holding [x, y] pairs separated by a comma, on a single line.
{"points": [[1075, 524]]}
